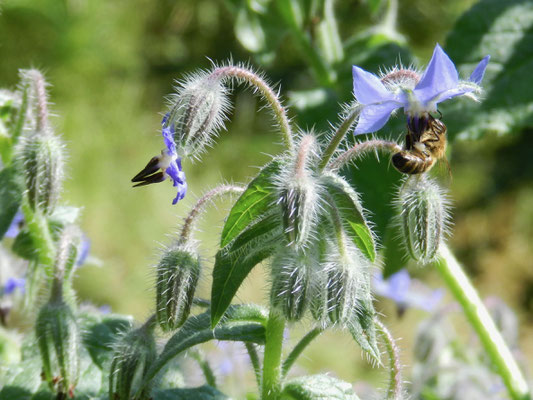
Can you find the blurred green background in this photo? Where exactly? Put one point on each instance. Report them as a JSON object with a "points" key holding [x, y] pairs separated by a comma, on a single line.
{"points": [[111, 64]]}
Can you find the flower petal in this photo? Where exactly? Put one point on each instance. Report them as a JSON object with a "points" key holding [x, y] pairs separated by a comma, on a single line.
{"points": [[477, 75], [373, 117], [367, 87], [168, 137], [440, 76]]}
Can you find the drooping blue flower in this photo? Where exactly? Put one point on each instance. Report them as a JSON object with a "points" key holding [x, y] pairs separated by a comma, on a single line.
{"points": [[406, 292], [14, 283], [169, 164], [15, 226], [404, 88]]}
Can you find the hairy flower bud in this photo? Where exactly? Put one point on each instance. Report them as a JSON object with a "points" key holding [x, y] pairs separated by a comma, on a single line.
{"points": [[178, 272], [298, 195], [424, 217], [41, 159], [290, 283], [58, 338], [198, 110], [134, 353]]}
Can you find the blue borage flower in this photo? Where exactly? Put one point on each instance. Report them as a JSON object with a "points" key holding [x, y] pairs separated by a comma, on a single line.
{"points": [[404, 88], [14, 283], [15, 226], [169, 162], [407, 292]]}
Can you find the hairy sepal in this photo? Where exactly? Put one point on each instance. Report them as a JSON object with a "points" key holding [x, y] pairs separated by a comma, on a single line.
{"points": [[351, 213]]}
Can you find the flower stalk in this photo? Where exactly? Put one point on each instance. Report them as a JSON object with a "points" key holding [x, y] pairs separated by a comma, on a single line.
{"points": [[361, 148], [266, 91], [298, 349], [479, 317], [395, 390], [272, 357]]}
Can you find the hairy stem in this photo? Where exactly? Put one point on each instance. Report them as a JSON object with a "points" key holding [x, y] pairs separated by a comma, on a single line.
{"points": [[339, 135], [395, 390], [200, 205], [298, 349], [271, 386], [480, 319], [209, 375], [266, 91], [361, 148], [254, 359]]}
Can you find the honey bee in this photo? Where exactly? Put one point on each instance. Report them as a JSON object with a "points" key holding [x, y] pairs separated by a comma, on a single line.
{"points": [[423, 147]]}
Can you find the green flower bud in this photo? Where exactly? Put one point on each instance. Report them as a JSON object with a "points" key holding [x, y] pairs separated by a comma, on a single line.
{"points": [[198, 110], [134, 352], [298, 195], [290, 283], [41, 160], [424, 217], [58, 338], [178, 272]]}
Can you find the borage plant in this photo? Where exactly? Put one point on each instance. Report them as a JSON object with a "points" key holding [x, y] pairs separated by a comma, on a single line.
{"points": [[299, 213]]}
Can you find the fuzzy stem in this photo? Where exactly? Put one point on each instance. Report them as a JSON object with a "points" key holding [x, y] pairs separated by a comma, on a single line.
{"points": [[268, 93], [480, 319], [42, 101], [298, 349], [272, 357], [395, 390], [210, 378], [200, 205], [40, 235], [254, 359], [324, 74], [339, 135], [361, 148]]}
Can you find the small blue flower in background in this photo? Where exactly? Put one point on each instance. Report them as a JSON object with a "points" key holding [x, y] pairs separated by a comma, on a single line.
{"points": [[169, 162], [83, 251], [407, 292], [16, 225], [14, 283], [403, 88]]}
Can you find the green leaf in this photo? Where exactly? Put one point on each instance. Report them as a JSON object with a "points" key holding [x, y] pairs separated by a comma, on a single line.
{"points": [[318, 387], [21, 380], [347, 202], [234, 262], [241, 323], [100, 332], [503, 29], [11, 189], [255, 201], [363, 329], [249, 31], [23, 246], [199, 393]]}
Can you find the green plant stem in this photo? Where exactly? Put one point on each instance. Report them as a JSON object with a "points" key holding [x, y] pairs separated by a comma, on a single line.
{"points": [[40, 235], [254, 359], [324, 74], [479, 318], [339, 135], [395, 390], [271, 386], [298, 349], [210, 378]]}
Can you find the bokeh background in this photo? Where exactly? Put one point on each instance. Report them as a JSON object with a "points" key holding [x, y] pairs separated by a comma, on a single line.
{"points": [[111, 64]]}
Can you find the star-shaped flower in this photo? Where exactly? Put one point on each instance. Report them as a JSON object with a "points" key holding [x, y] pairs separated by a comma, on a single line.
{"points": [[169, 162], [404, 88]]}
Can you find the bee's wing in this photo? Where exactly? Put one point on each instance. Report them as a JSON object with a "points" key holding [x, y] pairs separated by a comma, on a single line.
{"points": [[155, 178], [151, 167]]}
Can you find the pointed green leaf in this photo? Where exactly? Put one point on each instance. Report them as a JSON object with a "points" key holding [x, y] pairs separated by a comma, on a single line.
{"points": [[241, 323], [347, 201], [255, 201], [318, 387], [11, 190], [234, 262]]}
